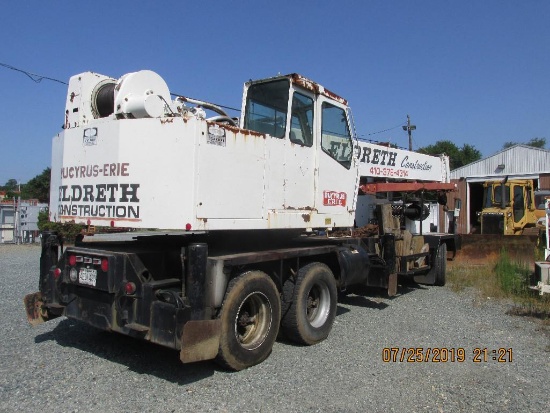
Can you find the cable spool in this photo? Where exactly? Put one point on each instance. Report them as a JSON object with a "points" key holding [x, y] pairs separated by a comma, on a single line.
{"points": [[142, 94], [103, 99], [416, 211]]}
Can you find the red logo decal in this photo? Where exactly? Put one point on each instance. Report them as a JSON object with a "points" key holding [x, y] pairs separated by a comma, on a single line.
{"points": [[333, 198]]}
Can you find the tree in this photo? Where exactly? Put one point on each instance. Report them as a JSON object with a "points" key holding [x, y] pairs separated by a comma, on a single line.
{"points": [[534, 142], [38, 187], [11, 185], [11, 188], [457, 156]]}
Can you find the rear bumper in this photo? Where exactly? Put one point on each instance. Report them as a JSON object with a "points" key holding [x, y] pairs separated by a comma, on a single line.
{"points": [[197, 340], [152, 310]]}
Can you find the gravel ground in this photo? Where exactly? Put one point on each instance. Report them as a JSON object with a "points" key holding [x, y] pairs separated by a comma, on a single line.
{"points": [[65, 366]]}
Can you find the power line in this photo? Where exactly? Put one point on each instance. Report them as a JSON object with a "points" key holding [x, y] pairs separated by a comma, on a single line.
{"points": [[38, 78], [33, 76], [385, 130]]}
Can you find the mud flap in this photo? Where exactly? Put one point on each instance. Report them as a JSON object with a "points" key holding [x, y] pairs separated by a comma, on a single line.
{"points": [[428, 278], [34, 306], [392, 285], [200, 340]]}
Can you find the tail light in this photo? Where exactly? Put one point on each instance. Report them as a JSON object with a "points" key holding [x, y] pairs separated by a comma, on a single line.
{"points": [[130, 288], [72, 260], [105, 265], [102, 262], [56, 273]]}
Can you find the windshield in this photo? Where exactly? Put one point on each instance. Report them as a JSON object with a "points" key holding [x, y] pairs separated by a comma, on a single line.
{"points": [[492, 195]]}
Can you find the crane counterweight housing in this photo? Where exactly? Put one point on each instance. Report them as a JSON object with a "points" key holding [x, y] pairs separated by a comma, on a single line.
{"points": [[236, 228]]}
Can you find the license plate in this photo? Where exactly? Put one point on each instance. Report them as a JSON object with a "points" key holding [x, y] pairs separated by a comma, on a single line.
{"points": [[87, 276]]}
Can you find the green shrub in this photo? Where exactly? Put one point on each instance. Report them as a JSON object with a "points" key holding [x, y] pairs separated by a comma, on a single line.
{"points": [[68, 230], [514, 278]]}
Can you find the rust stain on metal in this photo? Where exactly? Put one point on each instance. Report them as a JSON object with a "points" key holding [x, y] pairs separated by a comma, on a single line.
{"points": [[167, 120], [305, 82], [373, 188], [315, 87], [306, 217], [236, 129], [392, 285], [306, 208], [486, 249], [33, 306]]}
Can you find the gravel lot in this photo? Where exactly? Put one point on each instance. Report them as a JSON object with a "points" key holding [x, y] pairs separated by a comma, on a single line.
{"points": [[65, 366]]}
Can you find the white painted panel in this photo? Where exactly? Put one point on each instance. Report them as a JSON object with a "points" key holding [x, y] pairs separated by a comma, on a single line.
{"points": [[231, 175], [391, 163]]}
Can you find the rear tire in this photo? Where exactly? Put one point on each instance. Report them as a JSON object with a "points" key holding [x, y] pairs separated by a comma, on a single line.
{"points": [[250, 318], [313, 298]]}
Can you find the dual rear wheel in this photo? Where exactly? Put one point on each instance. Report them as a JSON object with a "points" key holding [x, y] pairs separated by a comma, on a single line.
{"points": [[251, 313], [312, 297]]}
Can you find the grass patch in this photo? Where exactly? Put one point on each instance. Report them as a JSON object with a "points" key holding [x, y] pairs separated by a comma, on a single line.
{"points": [[513, 278], [504, 279]]}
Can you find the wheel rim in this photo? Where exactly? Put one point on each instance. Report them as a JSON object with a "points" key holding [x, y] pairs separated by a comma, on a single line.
{"points": [[318, 305], [253, 320]]}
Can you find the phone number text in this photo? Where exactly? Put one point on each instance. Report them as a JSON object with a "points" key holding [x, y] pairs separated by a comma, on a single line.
{"points": [[397, 173]]}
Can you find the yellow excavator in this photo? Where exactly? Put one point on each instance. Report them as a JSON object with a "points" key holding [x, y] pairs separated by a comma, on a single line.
{"points": [[509, 208]]}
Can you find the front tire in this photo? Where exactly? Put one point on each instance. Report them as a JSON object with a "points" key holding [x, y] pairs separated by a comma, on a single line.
{"points": [[313, 298], [250, 317]]}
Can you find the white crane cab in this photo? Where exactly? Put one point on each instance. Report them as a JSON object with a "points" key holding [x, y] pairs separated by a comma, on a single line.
{"points": [[130, 156]]}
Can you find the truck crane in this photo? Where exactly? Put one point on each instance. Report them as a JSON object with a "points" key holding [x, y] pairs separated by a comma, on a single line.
{"points": [[233, 221]]}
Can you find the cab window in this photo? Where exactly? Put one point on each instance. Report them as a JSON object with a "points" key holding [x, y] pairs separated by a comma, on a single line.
{"points": [[266, 107], [488, 196], [498, 194], [335, 134], [519, 203], [301, 122]]}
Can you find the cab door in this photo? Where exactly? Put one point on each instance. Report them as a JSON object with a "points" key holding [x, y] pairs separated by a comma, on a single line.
{"points": [[299, 187], [518, 205], [337, 178]]}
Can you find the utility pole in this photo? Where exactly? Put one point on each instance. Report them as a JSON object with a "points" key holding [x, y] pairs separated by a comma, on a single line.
{"points": [[409, 128]]}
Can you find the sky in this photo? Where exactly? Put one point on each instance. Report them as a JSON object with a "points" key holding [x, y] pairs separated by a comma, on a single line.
{"points": [[474, 72]]}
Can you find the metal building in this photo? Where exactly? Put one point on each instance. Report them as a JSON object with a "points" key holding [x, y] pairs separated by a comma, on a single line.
{"points": [[7, 222], [517, 162], [19, 221]]}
